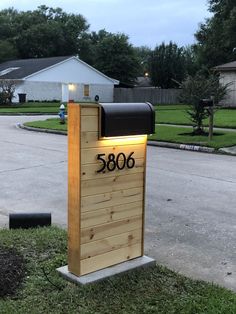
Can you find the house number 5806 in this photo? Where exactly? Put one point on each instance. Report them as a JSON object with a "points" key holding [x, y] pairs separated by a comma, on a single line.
{"points": [[120, 161]]}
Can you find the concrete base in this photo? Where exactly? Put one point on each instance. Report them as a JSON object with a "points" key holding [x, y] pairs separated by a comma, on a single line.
{"points": [[143, 261]]}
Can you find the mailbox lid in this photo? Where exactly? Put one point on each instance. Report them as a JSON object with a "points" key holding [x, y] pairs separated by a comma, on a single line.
{"points": [[123, 119]]}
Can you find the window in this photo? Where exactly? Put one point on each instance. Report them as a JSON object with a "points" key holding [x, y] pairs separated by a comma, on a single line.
{"points": [[86, 90]]}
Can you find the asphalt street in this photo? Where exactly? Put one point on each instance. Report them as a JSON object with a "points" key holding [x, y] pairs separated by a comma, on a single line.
{"points": [[190, 202]]}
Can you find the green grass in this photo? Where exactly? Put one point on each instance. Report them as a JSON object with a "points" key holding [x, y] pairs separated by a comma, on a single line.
{"points": [[165, 114], [176, 114], [31, 107], [153, 290], [225, 118], [163, 133], [170, 107], [53, 123], [183, 135]]}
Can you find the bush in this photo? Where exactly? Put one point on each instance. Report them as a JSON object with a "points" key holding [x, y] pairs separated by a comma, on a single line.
{"points": [[7, 89], [195, 88]]}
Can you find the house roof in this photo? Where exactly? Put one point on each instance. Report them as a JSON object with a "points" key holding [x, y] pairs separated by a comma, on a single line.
{"points": [[25, 67], [227, 66], [143, 81]]}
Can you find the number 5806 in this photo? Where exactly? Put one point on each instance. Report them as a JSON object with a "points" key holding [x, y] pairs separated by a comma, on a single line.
{"points": [[116, 162]]}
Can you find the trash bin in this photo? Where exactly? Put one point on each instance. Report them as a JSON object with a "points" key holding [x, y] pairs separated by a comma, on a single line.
{"points": [[22, 98]]}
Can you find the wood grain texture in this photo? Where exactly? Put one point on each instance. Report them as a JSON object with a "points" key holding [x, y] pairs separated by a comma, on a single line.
{"points": [[73, 189], [110, 258], [89, 171], [106, 209], [89, 123], [111, 184], [98, 201], [112, 243], [109, 229], [89, 110], [89, 155], [111, 214], [90, 140]]}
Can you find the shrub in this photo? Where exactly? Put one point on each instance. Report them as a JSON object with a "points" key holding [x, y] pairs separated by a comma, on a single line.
{"points": [[7, 89], [195, 88]]}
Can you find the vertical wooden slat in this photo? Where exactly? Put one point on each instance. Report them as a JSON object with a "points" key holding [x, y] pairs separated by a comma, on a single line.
{"points": [[144, 195], [74, 189]]}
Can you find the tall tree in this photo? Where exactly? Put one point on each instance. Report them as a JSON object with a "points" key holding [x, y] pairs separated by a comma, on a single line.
{"points": [[167, 65], [7, 50], [143, 53], [113, 55], [43, 32], [216, 37]]}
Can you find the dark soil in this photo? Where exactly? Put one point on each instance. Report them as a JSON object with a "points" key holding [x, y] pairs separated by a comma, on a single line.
{"points": [[12, 271]]}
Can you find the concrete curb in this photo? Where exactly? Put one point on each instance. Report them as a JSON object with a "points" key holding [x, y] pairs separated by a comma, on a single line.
{"points": [[29, 128], [29, 114], [195, 148], [188, 147]]}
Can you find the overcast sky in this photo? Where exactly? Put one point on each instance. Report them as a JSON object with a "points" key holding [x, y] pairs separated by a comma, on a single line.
{"points": [[146, 22]]}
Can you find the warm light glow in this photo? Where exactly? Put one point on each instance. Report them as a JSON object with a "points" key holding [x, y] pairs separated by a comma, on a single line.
{"points": [[71, 87], [124, 140], [146, 74]]}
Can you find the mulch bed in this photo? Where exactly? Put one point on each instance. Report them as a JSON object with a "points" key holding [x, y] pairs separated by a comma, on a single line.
{"points": [[12, 271]]}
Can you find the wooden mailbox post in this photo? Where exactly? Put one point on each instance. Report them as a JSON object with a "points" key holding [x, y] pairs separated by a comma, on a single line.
{"points": [[106, 186]]}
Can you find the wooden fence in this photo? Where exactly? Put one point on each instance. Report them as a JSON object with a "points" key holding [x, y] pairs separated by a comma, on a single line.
{"points": [[150, 94]]}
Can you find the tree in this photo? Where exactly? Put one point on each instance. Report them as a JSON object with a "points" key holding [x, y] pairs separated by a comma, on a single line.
{"points": [[190, 60], [114, 56], [167, 65], [143, 53], [216, 37], [44, 32], [7, 89], [195, 88], [7, 51]]}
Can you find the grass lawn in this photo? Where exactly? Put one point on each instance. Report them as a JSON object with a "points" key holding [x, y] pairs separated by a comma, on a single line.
{"points": [[153, 290], [32, 107], [169, 114], [53, 123], [163, 133], [183, 135], [176, 114]]}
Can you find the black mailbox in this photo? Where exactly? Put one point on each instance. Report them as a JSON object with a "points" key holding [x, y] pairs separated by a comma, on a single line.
{"points": [[123, 119], [206, 103]]}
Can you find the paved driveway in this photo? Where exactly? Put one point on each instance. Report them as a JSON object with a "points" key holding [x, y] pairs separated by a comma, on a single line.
{"points": [[191, 199]]}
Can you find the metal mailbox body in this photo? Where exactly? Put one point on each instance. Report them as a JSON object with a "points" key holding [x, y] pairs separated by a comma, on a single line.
{"points": [[206, 103], [124, 119]]}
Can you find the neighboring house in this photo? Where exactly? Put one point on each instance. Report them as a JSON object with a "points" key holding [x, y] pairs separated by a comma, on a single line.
{"points": [[58, 78], [228, 76], [143, 81]]}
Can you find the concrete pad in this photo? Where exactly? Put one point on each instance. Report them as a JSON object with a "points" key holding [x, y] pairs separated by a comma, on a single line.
{"points": [[143, 261]]}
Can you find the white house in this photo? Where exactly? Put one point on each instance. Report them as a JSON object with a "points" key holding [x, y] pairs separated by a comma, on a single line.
{"points": [[228, 76], [58, 78]]}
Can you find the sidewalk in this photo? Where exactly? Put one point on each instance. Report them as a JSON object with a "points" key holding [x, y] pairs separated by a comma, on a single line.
{"points": [[189, 126]]}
